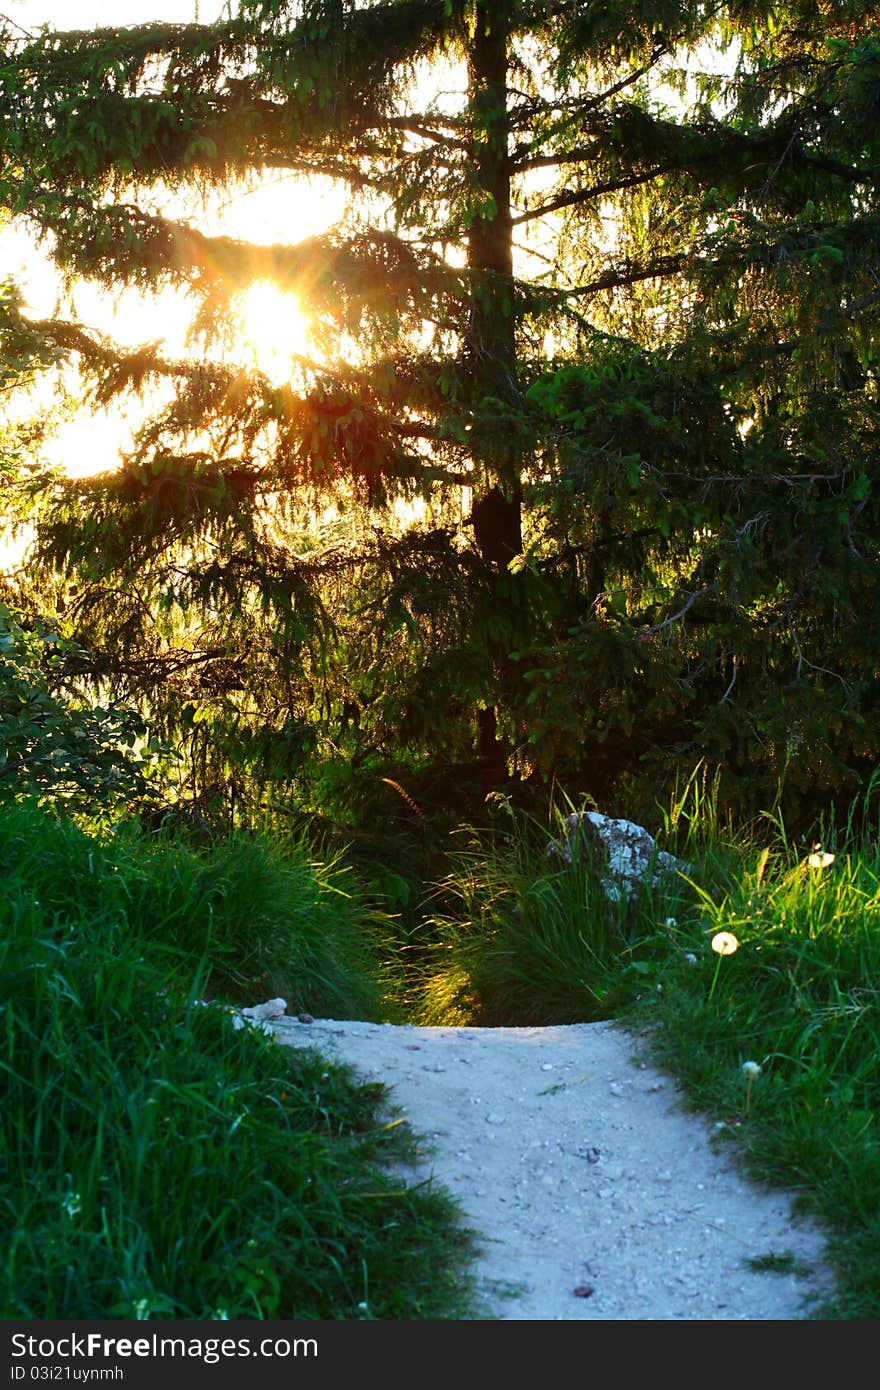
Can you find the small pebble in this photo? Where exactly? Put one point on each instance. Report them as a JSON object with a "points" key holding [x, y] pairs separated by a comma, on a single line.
{"points": [[583, 1291], [494, 1119], [305, 1018]]}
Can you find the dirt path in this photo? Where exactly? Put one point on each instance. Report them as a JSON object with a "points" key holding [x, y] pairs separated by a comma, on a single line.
{"points": [[594, 1194]]}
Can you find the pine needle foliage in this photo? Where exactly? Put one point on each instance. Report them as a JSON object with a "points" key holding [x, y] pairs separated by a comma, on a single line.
{"points": [[596, 402]]}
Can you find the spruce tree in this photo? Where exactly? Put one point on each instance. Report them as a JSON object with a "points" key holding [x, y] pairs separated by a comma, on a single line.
{"points": [[637, 454]]}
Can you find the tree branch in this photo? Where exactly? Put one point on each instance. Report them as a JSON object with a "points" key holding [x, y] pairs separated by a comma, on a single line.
{"points": [[585, 195], [677, 617]]}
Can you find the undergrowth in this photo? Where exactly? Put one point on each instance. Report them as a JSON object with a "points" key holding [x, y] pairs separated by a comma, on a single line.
{"points": [[159, 1163], [755, 970]]}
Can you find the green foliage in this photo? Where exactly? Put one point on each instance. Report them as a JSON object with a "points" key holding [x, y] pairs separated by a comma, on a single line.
{"points": [[603, 459], [25, 349], [49, 746], [262, 922], [266, 923], [160, 1164], [799, 998], [511, 941], [515, 940]]}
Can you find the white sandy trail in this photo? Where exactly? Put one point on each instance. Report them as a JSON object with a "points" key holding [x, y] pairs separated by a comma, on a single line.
{"points": [[594, 1194]]}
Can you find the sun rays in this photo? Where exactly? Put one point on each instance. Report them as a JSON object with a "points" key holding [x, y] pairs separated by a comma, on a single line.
{"points": [[272, 328]]}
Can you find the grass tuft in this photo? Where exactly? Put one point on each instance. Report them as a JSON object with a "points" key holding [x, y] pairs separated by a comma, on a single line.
{"points": [[756, 976], [159, 1163]]}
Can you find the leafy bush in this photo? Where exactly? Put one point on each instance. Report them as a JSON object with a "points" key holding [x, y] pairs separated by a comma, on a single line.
{"points": [[49, 746]]}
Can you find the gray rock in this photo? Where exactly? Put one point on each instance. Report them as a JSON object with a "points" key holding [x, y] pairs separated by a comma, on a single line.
{"points": [[624, 854]]}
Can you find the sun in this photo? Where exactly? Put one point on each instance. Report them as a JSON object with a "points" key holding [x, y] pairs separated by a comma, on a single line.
{"points": [[273, 327]]}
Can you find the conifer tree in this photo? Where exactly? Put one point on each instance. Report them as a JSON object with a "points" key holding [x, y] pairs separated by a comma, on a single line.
{"points": [[603, 317]]}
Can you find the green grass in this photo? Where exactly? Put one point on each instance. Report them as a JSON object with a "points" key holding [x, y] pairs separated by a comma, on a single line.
{"points": [[164, 1164], [263, 921], [799, 997], [778, 1262], [159, 1163], [518, 940]]}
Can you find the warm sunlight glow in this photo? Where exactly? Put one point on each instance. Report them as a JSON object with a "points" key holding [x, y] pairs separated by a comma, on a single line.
{"points": [[274, 328]]}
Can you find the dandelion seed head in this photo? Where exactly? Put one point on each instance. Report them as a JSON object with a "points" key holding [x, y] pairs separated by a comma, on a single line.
{"points": [[820, 858], [751, 1069], [724, 943]]}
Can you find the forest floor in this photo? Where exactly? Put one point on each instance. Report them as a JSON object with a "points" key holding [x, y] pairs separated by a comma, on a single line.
{"points": [[593, 1193]]}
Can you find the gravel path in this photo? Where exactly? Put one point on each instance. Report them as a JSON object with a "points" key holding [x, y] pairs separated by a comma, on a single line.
{"points": [[595, 1196]]}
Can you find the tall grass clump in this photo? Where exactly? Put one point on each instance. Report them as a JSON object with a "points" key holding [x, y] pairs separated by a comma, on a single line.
{"points": [[520, 938], [270, 922], [265, 920], [159, 1163], [754, 972], [768, 1011]]}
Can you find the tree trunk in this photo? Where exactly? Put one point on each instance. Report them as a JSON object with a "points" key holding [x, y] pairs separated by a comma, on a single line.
{"points": [[497, 513], [497, 506]]}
